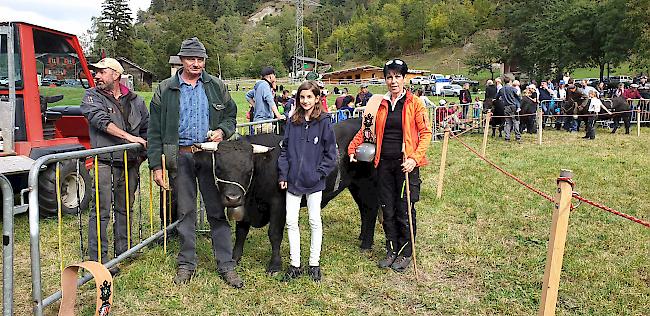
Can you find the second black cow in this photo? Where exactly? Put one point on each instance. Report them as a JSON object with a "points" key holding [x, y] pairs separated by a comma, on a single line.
{"points": [[245, 172]]}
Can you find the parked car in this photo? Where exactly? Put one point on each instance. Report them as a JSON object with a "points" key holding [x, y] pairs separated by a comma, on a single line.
{"points": [[71, 82], [4, 81], [451, 90], [461, 80], [49, 80], [420, 80], [613, 81], [434, 77]]}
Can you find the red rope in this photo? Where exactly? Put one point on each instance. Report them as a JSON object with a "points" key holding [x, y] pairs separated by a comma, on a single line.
{"points": [[528, 186], [611, 210], [548, 197]]}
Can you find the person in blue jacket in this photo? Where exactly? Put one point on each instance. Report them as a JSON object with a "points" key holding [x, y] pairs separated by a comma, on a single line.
{"points": [[308, 155]]}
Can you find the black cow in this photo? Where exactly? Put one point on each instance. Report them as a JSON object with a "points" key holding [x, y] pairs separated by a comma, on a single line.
{"points": [[250, 179], [619, 105]]}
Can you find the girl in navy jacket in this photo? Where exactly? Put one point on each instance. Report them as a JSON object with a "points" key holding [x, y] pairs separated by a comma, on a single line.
{"points": [[308, 155]]}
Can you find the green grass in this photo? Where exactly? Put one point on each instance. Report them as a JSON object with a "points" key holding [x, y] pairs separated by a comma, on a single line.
{"points": [[481, 248]]}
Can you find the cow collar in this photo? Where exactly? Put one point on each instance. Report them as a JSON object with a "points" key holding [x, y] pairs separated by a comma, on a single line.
{"points": [[217, 179]]}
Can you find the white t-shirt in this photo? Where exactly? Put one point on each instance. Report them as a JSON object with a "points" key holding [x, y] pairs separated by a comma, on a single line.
{"points": [[561, 93], [595, 104]]}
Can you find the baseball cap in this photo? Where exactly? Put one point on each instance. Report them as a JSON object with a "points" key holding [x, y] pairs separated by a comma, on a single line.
{"points": [[562, 82], [634, 85], [108, 63], [364, 85], [268, 70]]}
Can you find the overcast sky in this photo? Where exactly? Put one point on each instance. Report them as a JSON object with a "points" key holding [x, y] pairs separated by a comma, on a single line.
{"points": [[71, 16]]}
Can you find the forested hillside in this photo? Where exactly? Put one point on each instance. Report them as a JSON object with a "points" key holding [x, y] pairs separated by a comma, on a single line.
{"points": [[542, 38]]}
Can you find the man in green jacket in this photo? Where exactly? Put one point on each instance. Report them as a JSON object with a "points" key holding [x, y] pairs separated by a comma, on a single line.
{"points": [[185, 109]]}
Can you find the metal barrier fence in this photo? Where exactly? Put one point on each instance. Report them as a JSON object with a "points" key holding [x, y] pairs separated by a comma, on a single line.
{"points": [[7, 246], [265, 126], [34, 224], [644, 106], [342, 115], [451, 115], [551, 109]]}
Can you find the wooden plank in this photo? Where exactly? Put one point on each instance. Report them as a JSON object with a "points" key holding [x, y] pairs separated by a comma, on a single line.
{"points": [[556, 243]]}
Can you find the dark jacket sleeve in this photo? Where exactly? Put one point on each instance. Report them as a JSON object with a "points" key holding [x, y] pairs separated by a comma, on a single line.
{"points": [[229, 122], [144, 125], [154, 133], [329, 149], [283, 160], [93, 110]]}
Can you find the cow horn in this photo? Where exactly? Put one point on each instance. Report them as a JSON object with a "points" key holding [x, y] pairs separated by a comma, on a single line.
{"points": [[259, 149], [209, 146]]}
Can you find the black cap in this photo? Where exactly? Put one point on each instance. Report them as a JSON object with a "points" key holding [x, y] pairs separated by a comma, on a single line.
{"points": [[268, 70], [192, 47]]}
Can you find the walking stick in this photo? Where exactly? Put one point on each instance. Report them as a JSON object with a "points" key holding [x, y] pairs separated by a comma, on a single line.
{"points": [[408, 203]]}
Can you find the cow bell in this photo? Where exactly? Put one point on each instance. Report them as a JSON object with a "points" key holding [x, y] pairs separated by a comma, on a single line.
{"points": [[366, 152], [235, 213]]}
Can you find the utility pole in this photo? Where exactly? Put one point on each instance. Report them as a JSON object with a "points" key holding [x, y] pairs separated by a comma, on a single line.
{"points": [[299, 49], [317, 46]]}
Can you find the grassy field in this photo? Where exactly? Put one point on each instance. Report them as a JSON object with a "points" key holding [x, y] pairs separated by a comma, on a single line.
{"points": [[481, 248]]}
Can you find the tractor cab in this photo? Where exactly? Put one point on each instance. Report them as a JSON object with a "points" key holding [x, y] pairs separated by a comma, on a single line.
{"points": [[36, 63]]}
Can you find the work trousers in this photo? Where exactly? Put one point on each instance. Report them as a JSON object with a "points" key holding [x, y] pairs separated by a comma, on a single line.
{"points": [[185, 182], [112, 195], [315, 223], [512, 125], [591, 128], [392, 198]]}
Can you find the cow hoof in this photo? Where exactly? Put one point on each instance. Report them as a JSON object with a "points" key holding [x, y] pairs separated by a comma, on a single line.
{"points": [[273, 269]]}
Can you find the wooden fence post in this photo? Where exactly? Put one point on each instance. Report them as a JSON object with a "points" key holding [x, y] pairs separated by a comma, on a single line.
{"points": [[556, 243], [540, 127], [486, 131], [638, 122], [443, 162]]}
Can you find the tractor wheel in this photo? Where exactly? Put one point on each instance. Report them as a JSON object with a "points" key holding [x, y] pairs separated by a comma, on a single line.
{"points": [[74, 188]]}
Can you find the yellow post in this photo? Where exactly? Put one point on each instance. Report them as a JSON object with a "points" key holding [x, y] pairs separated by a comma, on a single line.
{"points": [[539, 126], [150, 203], [59, 213], [638, 122], [443, 162], [128, 204], [486, 131], [556, 243], [164, 203], [99, 234]]}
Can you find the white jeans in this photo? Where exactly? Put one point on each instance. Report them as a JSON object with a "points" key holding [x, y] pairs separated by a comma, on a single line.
{"points": [[293, 208]]}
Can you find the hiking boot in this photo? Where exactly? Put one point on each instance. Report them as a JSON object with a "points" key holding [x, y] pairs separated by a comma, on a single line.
{"points": [[401, 264], [314, 273], [292, 273], [388, 261], [183, 276], [232, 279]]}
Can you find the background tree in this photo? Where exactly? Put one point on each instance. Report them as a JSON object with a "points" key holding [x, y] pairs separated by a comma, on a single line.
{"points": [[487, 51], [117, 23]]}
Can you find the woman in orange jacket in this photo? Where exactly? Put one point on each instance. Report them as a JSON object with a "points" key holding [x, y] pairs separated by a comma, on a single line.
{"points": [[403, 135]]}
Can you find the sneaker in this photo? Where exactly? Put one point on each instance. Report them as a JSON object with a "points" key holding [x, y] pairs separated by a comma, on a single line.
{"points": [[314, 273], [183, 276], [401, 264], [388, 261], [232, 278], [292, 273]]}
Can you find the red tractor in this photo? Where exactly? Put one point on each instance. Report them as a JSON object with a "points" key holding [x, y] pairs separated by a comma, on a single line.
{"points": [[29, 128]]}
